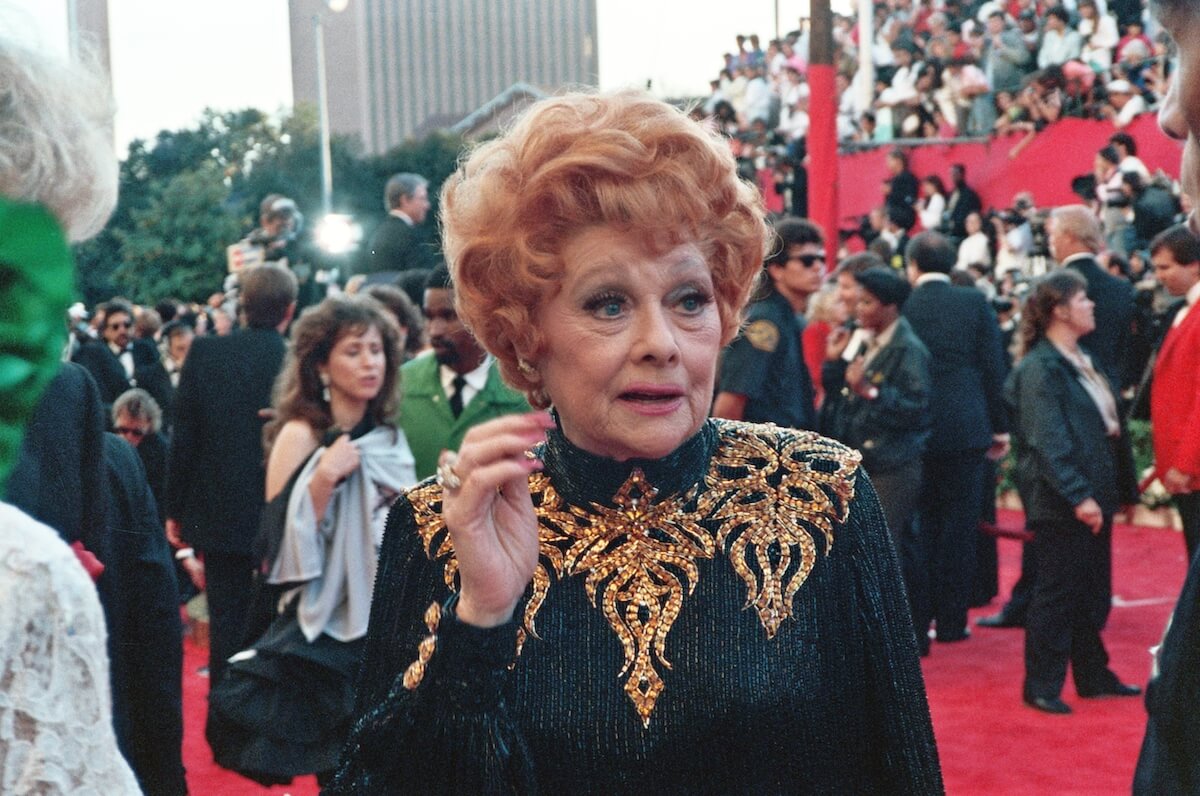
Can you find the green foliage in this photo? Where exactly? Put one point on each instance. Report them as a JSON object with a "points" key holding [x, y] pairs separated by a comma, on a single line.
{"points": [[177, 244], [190, 193]]}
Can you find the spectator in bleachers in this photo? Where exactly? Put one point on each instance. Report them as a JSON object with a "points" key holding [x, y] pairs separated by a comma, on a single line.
{"points": [[933, 202], [1100, 35], [1126, 147], [974, 247], [1124, 103], [1060, 42]]}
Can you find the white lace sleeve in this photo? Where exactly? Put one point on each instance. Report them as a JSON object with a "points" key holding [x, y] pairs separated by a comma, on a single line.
{"points": [[56, 733]]}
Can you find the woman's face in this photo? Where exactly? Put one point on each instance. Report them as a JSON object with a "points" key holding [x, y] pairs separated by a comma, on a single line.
{"points": [[632, 340], [847, 293], [1078, 314], [973, 223], [356, 364], [872, 313]]}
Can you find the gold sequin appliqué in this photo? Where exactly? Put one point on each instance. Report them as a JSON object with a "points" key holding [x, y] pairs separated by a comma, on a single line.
{"points": [[765, 494]]}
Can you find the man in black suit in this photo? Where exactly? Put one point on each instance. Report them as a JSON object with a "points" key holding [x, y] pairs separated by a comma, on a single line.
{"points": [[1075, 238], [398, 244], [113, 359], [215, 475], [963, 201], [960, 330], [58, 477], [140, 595]]}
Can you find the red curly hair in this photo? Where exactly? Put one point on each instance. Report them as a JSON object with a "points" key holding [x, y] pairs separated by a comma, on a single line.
{"points": [[621, 160]]}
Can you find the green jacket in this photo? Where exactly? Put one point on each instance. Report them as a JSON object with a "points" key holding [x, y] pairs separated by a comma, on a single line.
{"points": [[425, 413]]}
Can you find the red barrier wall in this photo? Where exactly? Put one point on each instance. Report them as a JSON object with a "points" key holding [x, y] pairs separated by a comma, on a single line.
{"points": [[1046, 166]]}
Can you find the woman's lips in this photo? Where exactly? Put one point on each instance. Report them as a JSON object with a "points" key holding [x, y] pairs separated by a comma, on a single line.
{"points": [[651, 399]]}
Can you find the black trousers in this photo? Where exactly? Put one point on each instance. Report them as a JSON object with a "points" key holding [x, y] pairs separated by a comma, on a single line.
{"points": [[943, 543], [1071, 599], [898, 490], [986, 584], [229, 584], [1188, 506]]}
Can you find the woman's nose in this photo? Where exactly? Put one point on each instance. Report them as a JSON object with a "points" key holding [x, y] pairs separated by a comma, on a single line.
{"points": [[1170, 116]]}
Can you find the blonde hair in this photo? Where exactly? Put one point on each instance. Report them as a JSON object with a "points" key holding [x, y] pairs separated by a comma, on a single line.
{"points": [[621, 160], [1079, 223]]}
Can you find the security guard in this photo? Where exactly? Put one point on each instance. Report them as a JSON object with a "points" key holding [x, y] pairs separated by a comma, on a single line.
{"points": [[763, 377]]}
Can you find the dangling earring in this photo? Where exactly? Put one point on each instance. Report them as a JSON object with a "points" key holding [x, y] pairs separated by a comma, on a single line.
{"points": [[325, 387]]}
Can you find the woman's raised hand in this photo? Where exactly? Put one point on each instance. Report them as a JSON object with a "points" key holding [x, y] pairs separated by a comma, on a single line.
{"points": [[338, 461], [489, 514]]}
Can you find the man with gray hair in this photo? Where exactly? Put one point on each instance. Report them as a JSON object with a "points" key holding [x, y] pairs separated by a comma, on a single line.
{"points": [[398, 245]]}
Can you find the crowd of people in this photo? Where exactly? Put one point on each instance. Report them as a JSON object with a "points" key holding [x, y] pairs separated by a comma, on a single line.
{"points": [[492, 523], [949, 68], [941, 69]]}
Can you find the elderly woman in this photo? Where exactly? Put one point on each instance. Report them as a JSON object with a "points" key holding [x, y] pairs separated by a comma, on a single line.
{"points": [[623, 594], [58, 182], [336, 464], [1074, 470]]}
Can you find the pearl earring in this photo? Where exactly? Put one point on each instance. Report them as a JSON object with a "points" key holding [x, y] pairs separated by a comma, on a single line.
{"points": [[325, 387]]}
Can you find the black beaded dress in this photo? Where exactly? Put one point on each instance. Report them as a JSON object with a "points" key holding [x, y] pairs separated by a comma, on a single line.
{"points": [[727, 619]]}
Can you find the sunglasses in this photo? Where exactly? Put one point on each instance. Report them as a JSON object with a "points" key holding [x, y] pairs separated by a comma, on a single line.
{"points": [[120, 324], [130, 431], [808, 260]]}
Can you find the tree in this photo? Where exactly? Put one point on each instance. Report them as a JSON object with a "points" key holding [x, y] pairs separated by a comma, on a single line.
{"points": [[190, 193], [177, 244]]}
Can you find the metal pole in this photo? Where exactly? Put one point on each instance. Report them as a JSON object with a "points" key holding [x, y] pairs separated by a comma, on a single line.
{"points": [[866, 64], [323, 113], [777, 36]]}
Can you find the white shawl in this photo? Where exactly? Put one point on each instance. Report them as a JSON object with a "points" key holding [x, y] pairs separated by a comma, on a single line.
{"points": [[336, 558]]}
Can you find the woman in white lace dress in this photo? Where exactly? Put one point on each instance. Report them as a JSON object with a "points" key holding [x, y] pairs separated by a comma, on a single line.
{"points": [[56, 733], [57, 180]]}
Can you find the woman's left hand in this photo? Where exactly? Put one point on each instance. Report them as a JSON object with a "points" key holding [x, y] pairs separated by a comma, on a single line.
{"points": [[339, 460]]}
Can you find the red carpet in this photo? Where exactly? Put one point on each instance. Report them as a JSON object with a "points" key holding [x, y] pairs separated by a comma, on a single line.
{"points": [[990, 743]]}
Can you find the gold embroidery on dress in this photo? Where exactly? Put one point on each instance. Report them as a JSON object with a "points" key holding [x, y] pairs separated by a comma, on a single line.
{"points": [[766, 493]]}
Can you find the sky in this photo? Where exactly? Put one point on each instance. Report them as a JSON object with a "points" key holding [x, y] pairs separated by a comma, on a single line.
{"points": [[173, 58]]}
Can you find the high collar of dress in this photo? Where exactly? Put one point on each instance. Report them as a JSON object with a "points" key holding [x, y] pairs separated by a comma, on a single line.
{"points": [[581, 477]]}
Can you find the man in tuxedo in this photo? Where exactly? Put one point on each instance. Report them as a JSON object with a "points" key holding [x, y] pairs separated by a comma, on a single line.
{"points": [[160, 377], [113, 359], [454, 387], [398, 244], [1175, 388], [959, 328], [215, 472]]}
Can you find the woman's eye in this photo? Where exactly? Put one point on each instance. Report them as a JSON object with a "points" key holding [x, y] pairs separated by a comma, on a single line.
{"points": [[606, 306], [694, 302]]}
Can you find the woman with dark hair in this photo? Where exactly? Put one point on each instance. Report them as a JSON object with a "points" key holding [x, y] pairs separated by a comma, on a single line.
{"points": [[1074, 471], [283, 707], [718, 607]]}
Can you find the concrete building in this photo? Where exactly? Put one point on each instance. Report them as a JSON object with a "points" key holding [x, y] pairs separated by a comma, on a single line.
{"points": [[402, 68]]}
